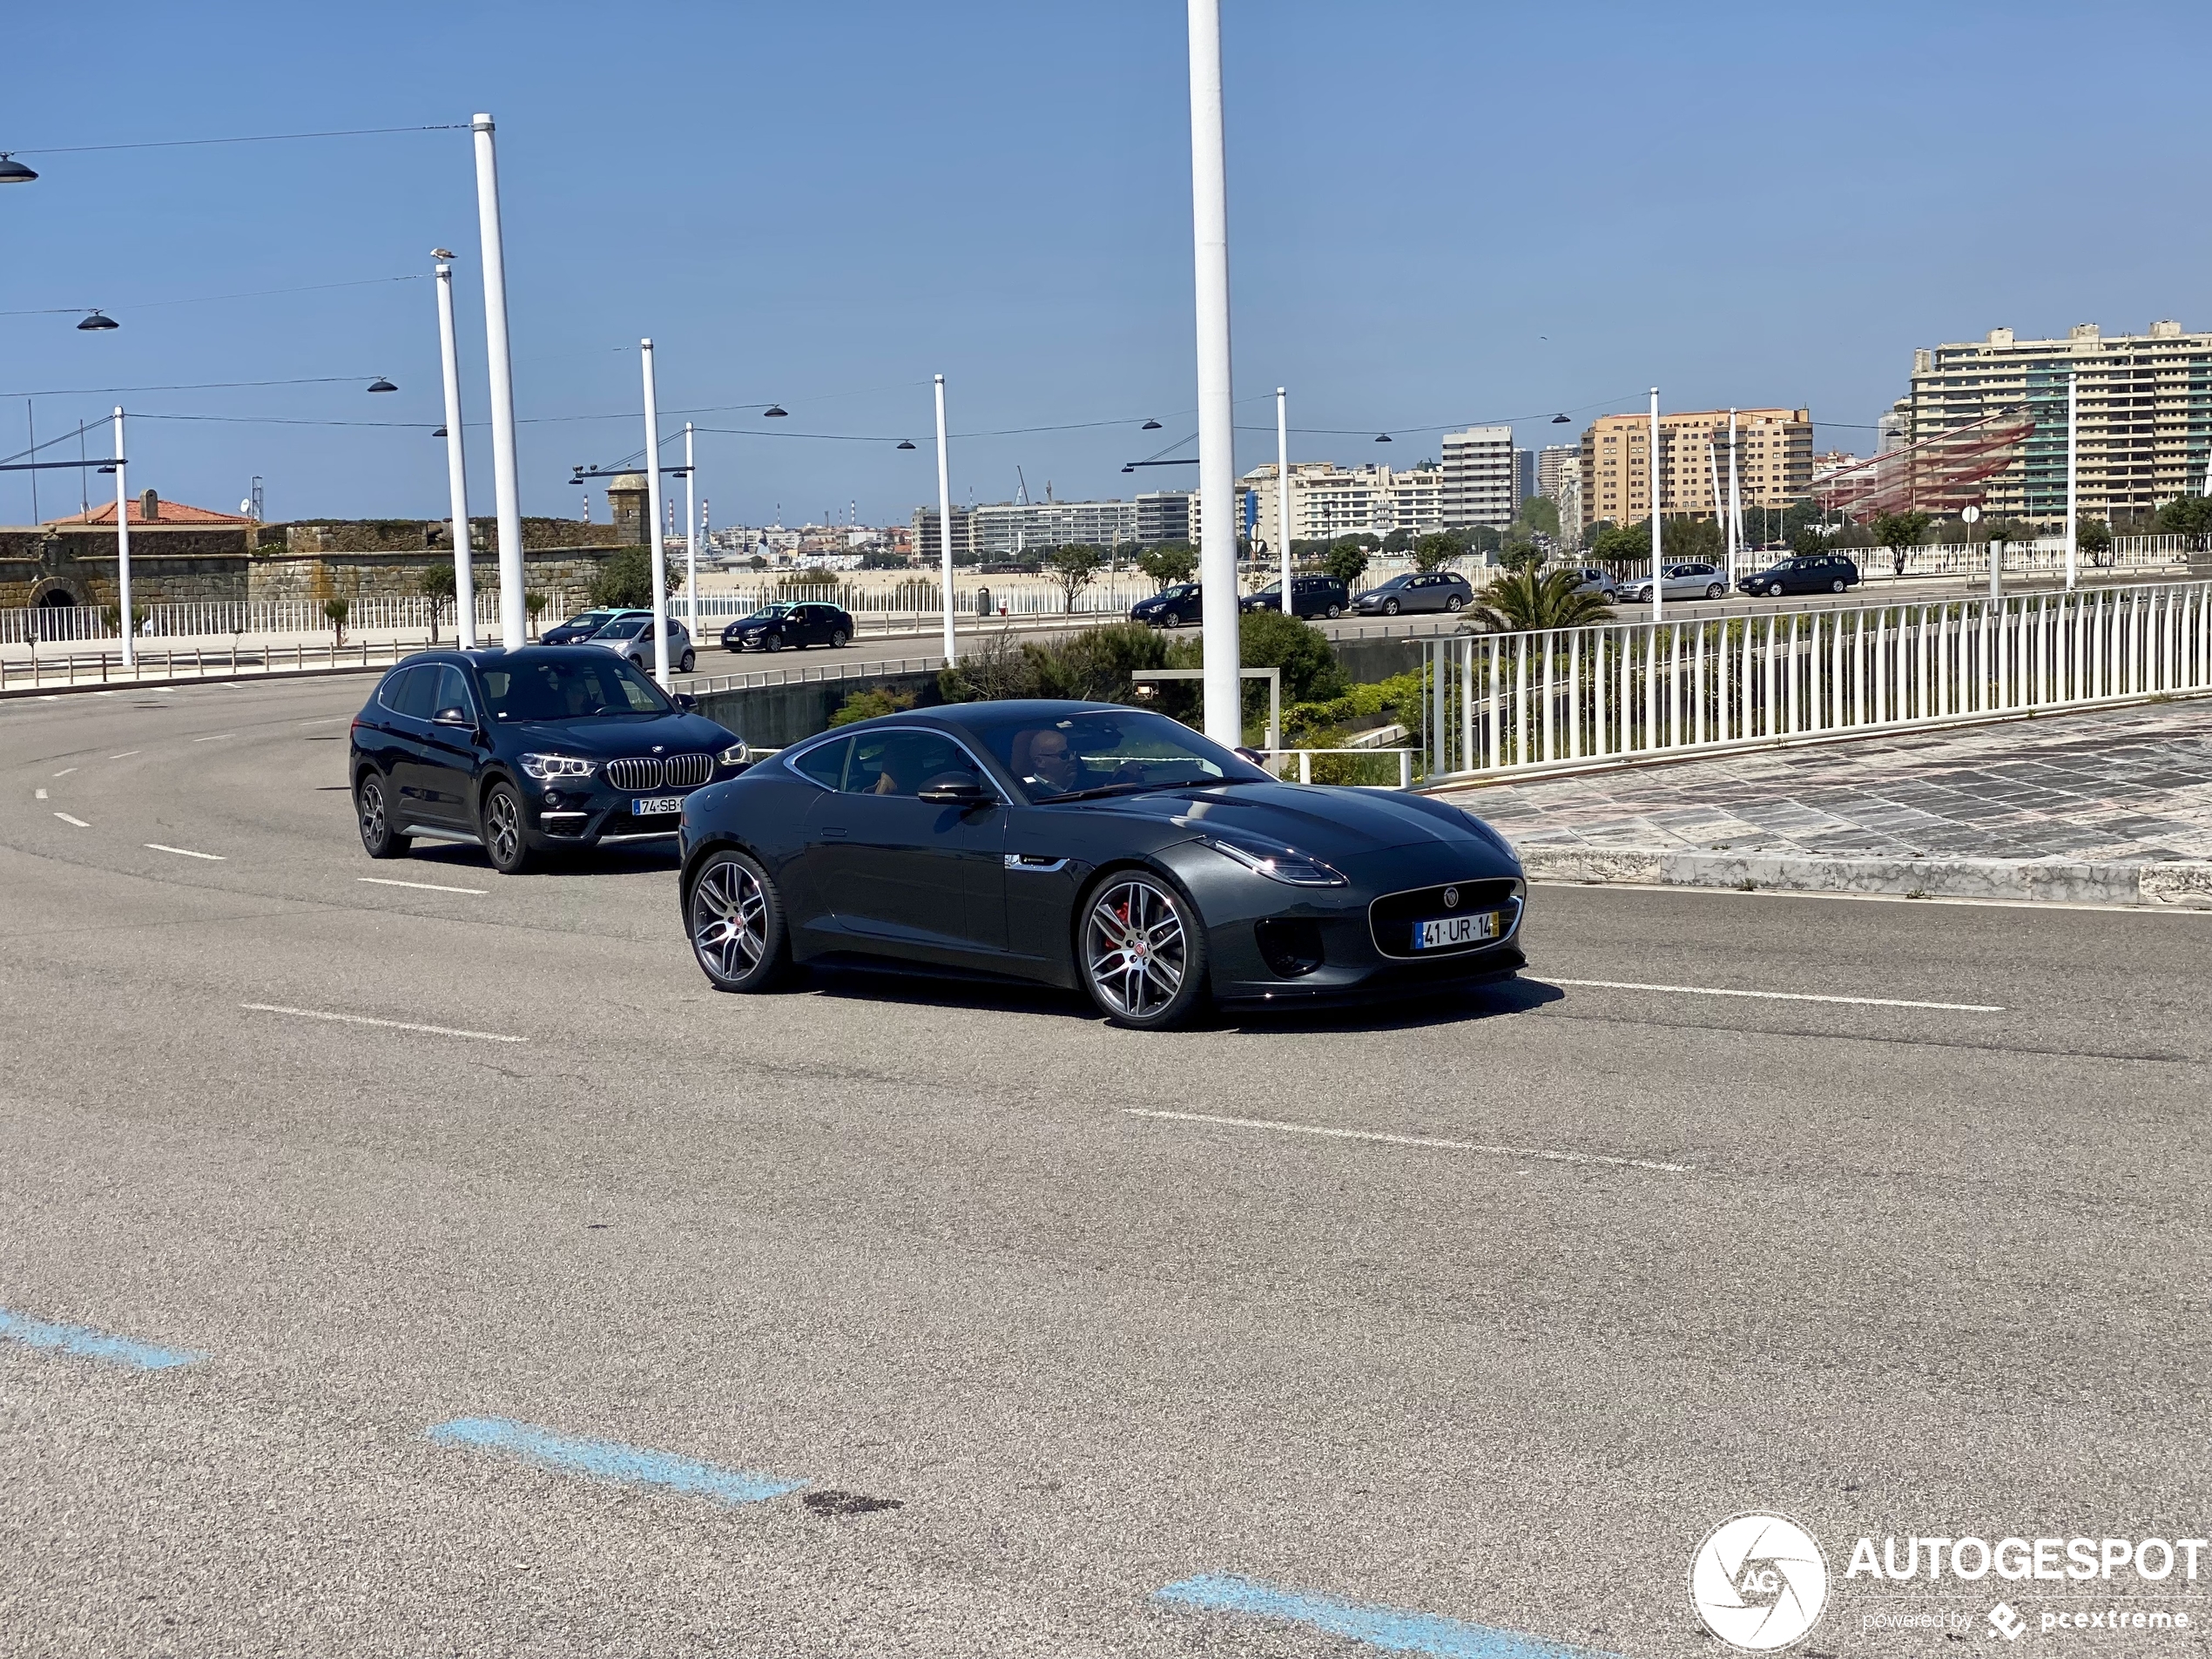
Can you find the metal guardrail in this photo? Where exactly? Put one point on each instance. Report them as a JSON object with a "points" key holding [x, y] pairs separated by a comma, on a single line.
{"points": [[106, 668], [1505, 704]]}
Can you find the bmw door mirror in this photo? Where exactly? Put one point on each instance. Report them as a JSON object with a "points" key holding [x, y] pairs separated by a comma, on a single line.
{"points": [[456, 716], [964, 793]]}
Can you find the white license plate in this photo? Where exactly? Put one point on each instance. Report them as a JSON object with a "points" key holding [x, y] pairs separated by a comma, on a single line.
{"points": [[1447, 931], [652, 806]]}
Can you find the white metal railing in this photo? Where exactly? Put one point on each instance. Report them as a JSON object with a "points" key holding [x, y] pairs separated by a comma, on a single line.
{"points": [[231, 662], [1502, 703], [1304, 759], [248, 619]]}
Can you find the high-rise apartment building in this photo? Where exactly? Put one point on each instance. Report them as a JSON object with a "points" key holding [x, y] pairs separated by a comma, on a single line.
{"points": [[1555, 464], [1166, 516], [1328, 501], [2145, 430], [1478, 477], [1004, 529], [924, 534], [1524, 477], [1774, 463]]}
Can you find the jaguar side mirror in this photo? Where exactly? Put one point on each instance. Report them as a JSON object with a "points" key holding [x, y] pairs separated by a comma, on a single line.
{"points": [[685, 701], [963, 794], [1252, 755]]}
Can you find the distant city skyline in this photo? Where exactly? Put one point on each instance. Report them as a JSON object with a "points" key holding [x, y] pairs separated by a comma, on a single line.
{"points": [[791, 220]]}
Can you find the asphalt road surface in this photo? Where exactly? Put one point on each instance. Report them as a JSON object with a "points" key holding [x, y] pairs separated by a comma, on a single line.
{"points": [[977, 1324]]}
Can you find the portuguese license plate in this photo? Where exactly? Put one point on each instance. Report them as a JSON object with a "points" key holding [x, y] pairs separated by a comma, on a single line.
{"points": [[654, 805], [1447, 931]]}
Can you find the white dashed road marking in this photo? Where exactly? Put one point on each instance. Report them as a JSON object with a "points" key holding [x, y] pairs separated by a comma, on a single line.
{"points": [[186, 853], [1410, 1140], [41, 795], [1776, 996], [215, 737], [64, 771], [126, 754], [393, 1025], [67, 819], [427, 887]]}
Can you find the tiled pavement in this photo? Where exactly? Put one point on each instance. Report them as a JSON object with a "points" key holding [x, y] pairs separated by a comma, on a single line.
{"points": [[2121, 785]]}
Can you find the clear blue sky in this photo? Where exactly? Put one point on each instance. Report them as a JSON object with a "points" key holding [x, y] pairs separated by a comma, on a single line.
{"points": [[1439, 213]]}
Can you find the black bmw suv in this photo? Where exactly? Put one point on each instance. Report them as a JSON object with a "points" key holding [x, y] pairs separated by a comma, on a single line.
{"points": [[526, 750]]}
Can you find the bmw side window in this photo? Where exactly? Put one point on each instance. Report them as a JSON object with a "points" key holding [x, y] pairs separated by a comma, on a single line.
{"points": [[823, 764], [453, 693], [394, 688], [415, 691]]}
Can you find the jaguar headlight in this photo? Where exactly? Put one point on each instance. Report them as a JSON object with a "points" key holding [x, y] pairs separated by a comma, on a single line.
{"points": [[544, 766], [1283, 864]]}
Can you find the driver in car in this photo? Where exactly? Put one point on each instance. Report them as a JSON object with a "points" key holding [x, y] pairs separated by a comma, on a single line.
{"points": [[1052, 768]]}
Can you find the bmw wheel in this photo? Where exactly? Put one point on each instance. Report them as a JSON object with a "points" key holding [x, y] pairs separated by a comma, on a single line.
{"points": [[504, 841], [1143, 952], [381, 839], [737, 924]]}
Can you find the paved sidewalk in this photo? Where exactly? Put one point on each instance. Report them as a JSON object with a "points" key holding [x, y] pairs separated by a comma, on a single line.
{"points": [[2111, 805]]}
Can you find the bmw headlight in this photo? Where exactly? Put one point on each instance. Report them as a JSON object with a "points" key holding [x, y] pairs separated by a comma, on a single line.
{"points": [[735, 755], [1282, 864], [544, 766]]}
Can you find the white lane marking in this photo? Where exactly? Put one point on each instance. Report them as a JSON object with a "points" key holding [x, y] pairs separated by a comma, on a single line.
{"points": [[328, 719], [41, 795], [1888, 898], [393, 1025], [186, 853], [64, 771], [1775, 996], [67, 819], [427, 887], [126, 754], [215, 737], [1411, 1140]]}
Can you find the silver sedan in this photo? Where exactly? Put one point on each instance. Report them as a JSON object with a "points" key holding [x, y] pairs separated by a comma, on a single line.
{"points": [[1696, 581], [632, 639]]}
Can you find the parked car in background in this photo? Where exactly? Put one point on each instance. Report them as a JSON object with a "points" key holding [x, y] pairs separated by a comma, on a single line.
{"points": [[773, 627], [1414, 591], [1692, 581], [1813, 573], [1311, 595], [525, 751], [631, 638], [1595, 579], [585, 624], [1169, 608]]}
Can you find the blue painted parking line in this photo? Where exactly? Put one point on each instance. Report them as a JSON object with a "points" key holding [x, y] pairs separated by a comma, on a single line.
{"points": [[611, 1461], [88, 1344], [1393, 1629]]}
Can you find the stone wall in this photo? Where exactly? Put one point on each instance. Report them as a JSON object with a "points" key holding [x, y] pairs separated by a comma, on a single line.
{"points": [[343, 575], [411, 534]]}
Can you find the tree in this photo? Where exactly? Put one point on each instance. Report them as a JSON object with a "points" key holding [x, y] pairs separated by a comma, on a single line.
{"points": [[866, 706], [1399, 541], [1518, 551], [2093, 537], [1485, 538], [1681, 540], [1622, 543], [626, 579], [1900, 533], [1074, 567], [436, 585], [1527, 600], [1270, 639], [882, 558], [1347, 561], [1169, 563], [2189, 518], [1540, 514], [1436, 549], [532, 607], [1807, 541], [336, 612]]}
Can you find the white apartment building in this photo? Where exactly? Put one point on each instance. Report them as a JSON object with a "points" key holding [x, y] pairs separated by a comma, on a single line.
{"points": [[1007, 528], [1478, 477], [1555, 464], [1328, 501]]}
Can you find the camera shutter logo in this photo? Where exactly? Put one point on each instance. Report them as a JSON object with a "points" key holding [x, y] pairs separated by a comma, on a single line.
{"points": [[1759, 1582]]}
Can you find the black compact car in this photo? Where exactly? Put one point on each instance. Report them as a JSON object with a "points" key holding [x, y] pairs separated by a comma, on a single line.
{"points": [[775, 626], [1810, 573], [527, 750], [1311, 595], [585, 624], [1086, 845], [1169, 608], [1417, 590]]}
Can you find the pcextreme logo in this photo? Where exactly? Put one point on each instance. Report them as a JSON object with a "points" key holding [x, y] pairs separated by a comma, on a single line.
{"points": [[1759, 1582]]}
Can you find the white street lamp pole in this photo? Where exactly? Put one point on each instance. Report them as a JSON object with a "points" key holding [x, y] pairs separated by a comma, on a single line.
{"points": [[691, 538], [1658, 570], [1734, 507], [652, 514], [506, 474], [2072, 472], [123, 550], [944, 525], [464, 574], [1282, 492], [1225, 719]]}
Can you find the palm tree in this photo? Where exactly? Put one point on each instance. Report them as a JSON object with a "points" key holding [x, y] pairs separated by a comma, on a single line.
{"points": [[1526, 601]]}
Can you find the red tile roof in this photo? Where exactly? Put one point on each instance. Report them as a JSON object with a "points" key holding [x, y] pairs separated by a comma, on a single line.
{"points": [[167, 512]]}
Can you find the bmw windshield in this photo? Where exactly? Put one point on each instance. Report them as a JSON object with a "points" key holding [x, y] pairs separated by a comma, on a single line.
{"points": [[575, 687]]}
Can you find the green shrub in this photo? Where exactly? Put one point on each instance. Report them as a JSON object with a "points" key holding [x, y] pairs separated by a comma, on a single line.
{"points": [[866, 706]]}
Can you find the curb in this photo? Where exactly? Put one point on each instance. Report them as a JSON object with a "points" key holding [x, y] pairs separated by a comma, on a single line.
{"points": [[2185, 885]]}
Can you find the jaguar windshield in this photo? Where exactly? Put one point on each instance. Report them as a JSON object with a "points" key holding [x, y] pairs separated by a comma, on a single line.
{"points": [[1110, 751]]}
